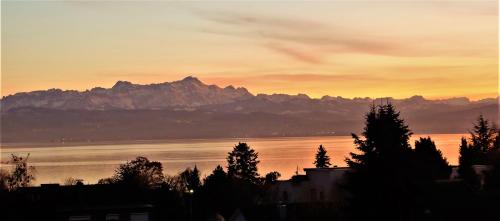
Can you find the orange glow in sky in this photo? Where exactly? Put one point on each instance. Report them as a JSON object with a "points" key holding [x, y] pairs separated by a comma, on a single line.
{"points": [[436, 49]]}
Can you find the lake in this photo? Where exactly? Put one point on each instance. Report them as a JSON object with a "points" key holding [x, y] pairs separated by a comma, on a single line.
{"points": [[283, 154]]}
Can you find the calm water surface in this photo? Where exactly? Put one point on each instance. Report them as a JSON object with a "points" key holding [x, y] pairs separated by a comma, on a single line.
{"points": [[55, 164]]}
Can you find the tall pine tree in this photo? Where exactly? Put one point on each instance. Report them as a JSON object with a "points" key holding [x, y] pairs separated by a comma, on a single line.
{"points": [[322, 159], [430, 161], [242, 163], [483, 136], [479, 150], [380, 182]]}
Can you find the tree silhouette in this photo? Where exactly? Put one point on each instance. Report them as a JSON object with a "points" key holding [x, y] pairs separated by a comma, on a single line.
{"points": [[430, 160], [468, 157], [483, 135], [479, 150], [272, 177], [380, 184], [218, 193], [4, 179], [242, 163], [70, 181], [496, 146], [322, 159], [21, 176], [191, 178], [140, 172], [218, 175], [492, 181]]}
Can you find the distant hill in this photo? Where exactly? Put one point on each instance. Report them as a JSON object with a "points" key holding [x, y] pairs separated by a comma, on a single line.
{"points": [[191, 109]]}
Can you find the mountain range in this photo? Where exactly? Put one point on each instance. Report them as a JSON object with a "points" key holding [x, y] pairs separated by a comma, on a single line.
{"points": [[191, 109]]}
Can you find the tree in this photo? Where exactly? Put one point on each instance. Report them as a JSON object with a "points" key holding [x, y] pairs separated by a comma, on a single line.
{"points": [[496, 147], [242, 163], [386, 136], [217, 175], [105, 181], [4, 179], [21, 176], [70, 181], [430, 160], [492, 181], [479, 150], [218, 178], [272, 177], [223, 194], [380, 182], [466, 160], [140, 172], [217, 192], [483, 135], [322, 159], [191, 178]]}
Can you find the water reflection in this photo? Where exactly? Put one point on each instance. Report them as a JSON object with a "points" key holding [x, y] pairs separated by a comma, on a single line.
{"points": [[54, 164]]}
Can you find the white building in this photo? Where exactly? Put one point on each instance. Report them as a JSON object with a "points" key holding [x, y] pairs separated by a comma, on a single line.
{"points": [[317, 185]]}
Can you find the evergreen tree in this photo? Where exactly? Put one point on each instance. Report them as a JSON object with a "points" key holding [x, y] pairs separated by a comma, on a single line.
{"points": [[386, 135], [242, 163], [218, 175], [430, 160], [466, 160], [224, 194], [492, 181], [322, 159], [483, 136], [480, 150], [380, 183], [195, 181], [191, 178], [496, 146]]}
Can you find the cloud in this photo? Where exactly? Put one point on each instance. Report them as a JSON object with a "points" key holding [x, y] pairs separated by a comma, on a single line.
{"points": [[303, 40], [288, 79], [313, 41], [300, 55]]}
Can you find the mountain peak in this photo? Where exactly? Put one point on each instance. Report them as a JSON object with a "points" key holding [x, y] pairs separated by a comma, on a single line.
{"points": [[417, 98], [122, 85], [191, 79]]}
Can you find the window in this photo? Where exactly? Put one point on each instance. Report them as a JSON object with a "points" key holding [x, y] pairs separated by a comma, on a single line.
{"points": [[79, 218], [112, 217], [313, 194], [139, 217], [285, 196]]}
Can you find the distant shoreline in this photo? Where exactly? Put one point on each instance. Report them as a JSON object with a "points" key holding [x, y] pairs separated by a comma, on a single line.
{"points": [[173, 140]]}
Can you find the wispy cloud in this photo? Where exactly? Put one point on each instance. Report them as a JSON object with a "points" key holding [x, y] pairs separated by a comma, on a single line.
{"points": [[303, 40], [312, 41], [301, 55]]}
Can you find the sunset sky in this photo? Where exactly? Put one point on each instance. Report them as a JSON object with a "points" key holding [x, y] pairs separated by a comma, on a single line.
{"points": [[372, 48]]}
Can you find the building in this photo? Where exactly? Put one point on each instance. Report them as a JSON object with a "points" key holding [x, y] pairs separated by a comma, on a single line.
{"points": [[79, 203], [317, 185]]}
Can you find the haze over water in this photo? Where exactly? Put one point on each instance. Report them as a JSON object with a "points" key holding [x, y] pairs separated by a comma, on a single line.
{"points": [[284, 154]]}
